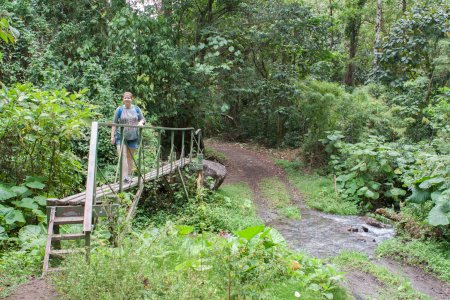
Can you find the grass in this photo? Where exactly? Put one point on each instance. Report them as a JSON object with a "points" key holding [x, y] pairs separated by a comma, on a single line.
{"points": [[230, 209], [431, 256], [16, 267], [276, 193], [395, 286], [215, 155], [318, 190]]}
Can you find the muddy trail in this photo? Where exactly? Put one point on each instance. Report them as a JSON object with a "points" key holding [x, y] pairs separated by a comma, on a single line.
{"points": [[321, 234]]}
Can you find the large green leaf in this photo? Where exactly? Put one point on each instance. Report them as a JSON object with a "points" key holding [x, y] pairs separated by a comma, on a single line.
{"points": [[14, 216], [41, 200], [439, 215], [26, 203], [397, 192], [6, 193], [3, 234], [430, 182], [250, 232], [184, 229], [35, 185], [19, 190], [419, 196]]}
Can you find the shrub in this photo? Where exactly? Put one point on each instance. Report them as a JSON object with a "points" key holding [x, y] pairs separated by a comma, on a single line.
{"points": [[37, 128]]}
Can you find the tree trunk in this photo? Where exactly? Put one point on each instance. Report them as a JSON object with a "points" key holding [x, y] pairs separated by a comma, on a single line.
{"points": [[349, 74], [331, 21], [352, 32], [378, 26], [403, 6]]}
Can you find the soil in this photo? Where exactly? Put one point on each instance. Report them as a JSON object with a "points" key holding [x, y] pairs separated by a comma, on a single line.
{"points": [[35, 289], [320, 234]]}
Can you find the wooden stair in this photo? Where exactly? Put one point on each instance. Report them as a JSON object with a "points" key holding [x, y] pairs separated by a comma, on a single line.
{"points": [[54, 238]]}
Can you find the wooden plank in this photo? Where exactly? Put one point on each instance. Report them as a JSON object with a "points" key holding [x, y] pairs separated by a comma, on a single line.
{"points": [[90, 182], [99, 210], [69, 220], [68, 236], [48, 247], [62, 252]]}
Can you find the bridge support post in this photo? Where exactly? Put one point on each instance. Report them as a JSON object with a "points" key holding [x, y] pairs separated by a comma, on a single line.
{"points": [[200, 172]]}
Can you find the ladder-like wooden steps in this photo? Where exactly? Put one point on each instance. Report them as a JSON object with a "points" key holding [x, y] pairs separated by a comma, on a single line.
{"points": [[54, 239], [108, 189]]}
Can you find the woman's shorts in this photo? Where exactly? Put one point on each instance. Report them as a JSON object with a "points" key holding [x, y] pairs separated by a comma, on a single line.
{"points": [[133, 144]]}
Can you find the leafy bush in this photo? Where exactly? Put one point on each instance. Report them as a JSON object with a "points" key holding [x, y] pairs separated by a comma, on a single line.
{"points": [[20, 205], [37, 129], [319, 107], [374, 173]]}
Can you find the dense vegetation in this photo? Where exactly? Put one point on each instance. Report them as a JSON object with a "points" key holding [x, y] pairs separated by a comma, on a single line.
{"points": [[361, 87]]}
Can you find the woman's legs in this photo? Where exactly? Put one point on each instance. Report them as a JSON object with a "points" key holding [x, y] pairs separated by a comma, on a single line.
{"points": [[124, 161], [130, 153], [127, 160]]}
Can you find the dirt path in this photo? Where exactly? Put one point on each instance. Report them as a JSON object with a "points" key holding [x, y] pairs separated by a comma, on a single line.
{"points": [[35, 289], [321, 234]]}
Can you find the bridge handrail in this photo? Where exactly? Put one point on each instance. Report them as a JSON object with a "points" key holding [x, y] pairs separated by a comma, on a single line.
{"points": [[92, 162], [146, 126]]}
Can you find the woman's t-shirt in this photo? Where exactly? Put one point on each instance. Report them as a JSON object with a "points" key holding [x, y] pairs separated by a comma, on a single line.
{"points": [[129, 116]]}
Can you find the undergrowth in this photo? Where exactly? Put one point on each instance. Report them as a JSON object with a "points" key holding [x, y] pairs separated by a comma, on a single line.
{"points": [[174, 262]]}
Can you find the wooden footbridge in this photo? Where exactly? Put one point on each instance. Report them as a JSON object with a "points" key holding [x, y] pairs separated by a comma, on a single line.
{"points": [[85, 207]]}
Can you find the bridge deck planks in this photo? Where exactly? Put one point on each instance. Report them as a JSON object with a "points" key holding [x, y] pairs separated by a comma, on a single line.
{"points": [[105, 190]]}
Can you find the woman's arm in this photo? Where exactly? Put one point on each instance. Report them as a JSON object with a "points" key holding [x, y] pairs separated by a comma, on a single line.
{"points": [[141, 118]]}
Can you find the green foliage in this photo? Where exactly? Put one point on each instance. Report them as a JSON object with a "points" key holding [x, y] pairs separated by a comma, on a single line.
{"points": [[20, 205], [412, 43], [374, 173], [173, 262], [430, 255], [37, 129]]}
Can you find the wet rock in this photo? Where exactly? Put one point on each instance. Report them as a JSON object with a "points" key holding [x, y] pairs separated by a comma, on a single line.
{"points": [[214, 174], [365, 229], [375, 223], [353, 229]]}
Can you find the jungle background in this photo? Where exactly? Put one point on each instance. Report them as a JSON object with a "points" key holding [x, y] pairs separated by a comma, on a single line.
{"points": [[359, 87]]}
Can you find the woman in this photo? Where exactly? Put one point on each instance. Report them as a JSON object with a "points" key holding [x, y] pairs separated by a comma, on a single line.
{"points": [[131, 115]]}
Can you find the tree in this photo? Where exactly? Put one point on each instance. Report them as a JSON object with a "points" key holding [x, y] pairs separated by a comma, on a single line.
{"points": [[353, 24]]}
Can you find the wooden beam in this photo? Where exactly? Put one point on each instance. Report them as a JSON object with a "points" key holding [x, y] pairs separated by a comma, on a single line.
{"points": [[91, 182]]}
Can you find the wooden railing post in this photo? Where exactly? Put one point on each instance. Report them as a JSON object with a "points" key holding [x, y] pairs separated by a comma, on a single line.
{"points": [[91, 179], [139, 167], [122, 147]]}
